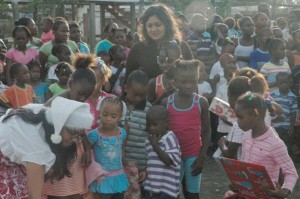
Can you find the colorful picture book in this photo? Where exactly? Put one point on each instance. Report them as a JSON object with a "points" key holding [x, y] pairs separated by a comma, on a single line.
{"points": [[222, 108], [248, 178]]}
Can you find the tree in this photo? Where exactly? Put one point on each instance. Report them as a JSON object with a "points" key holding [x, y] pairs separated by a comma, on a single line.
{"points": [[222, 7]]}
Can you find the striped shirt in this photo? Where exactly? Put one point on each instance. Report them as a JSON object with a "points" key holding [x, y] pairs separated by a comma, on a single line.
{"points": [[69, 185], [270, 151], [288, 104], [271, 70], [135, 147], [160, 177]]}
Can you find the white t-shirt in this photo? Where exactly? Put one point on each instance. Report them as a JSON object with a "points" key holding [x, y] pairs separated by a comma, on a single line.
{"points": [[222, 94], [22, 142], [204, 88], [217, 69]]}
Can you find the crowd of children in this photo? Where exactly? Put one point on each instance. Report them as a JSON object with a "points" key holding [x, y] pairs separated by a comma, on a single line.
{"points": [[150, 137]]}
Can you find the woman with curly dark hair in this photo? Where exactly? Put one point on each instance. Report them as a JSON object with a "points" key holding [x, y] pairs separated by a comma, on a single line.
{"points": [[158, 25]]}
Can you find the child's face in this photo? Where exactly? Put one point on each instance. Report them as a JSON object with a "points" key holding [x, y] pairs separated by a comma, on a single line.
{"points": [[110, 115], [63, 77], [32, 28], [155, 126], [81, 90], [229, 61], [75, 34], [277, 33], [282, 24], [119, 38], [21, 39], [186, 82], [228, 49], [245, 119], [166, 58], [106, 59], [45, 26], [224, 31], [65, 55], [202, 73], [35, 73], [120, 54], [248, 27], [200, 26], [62, 33], [279, 51], [135, 93], [22, 75], [283, 83], [261, 21]]}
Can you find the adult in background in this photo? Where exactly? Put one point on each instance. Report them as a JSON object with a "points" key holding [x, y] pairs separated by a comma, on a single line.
{"points": [[158, 25], [61, 33]]}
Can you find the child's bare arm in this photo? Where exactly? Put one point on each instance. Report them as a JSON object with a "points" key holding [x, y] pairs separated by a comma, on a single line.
{"points": [[205, 137], [293, 122], [151, 96], [229, 149], [5, 105], [154, 139]]}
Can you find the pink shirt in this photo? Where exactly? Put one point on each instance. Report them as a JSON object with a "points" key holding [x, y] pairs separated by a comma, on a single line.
{"points": [[24, 58], [186, 124], [47, 36], [269, 150]]}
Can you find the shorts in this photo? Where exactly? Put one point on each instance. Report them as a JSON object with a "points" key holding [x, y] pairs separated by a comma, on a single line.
{"points": [[192, 183]]}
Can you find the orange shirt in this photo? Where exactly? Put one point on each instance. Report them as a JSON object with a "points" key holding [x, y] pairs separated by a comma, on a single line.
{"points": [[17, 96]]}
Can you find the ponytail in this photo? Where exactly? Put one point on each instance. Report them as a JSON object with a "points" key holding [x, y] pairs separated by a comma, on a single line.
{"points": [[258, 84]]}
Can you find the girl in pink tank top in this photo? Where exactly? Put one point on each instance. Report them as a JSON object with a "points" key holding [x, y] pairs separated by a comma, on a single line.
{"points": [[189, 120]]}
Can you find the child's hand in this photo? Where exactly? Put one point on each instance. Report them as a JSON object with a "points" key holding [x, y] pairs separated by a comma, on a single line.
{"points": [[216, 78], [168, 92], [222, 141], [223, 118], [86, 159], [154, 138], [197, 166], [142, 176], [278, 192]]}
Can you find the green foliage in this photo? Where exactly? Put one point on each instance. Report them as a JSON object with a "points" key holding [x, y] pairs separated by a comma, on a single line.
{"points": [[223, 7]]}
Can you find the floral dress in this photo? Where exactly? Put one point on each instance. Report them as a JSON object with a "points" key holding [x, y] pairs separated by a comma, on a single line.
{"points": [[13, 183]]}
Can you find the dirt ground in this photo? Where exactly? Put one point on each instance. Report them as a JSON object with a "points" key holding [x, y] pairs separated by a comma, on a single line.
{"points": [[215, 182]]}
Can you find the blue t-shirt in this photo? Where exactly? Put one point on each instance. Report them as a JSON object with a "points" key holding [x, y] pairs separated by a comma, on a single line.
{"points": [[83, 48], [258, 58], [40, 93]]}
